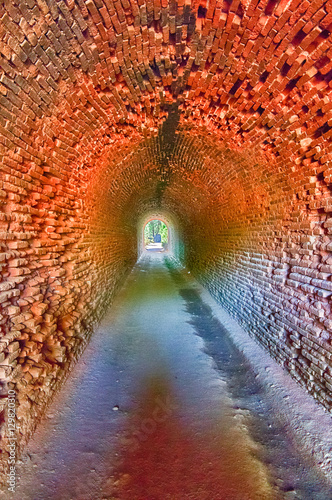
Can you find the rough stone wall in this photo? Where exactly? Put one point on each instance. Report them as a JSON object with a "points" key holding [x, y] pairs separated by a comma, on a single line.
{"points": [[63, 257], [218, 113]]}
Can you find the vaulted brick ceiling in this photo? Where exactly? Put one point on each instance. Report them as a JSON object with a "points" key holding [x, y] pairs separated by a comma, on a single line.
{"points": [[83, 81], [217, 112]]}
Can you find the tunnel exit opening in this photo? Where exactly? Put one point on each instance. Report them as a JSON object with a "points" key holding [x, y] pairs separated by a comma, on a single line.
{"points": [[161, 231], [156, 236]]}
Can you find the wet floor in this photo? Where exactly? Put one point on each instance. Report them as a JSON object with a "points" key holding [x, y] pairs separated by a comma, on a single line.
{"points": [[162, 406]]}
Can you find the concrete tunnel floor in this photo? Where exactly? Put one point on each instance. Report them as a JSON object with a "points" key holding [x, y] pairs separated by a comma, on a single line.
{"points": [[164, 405]]}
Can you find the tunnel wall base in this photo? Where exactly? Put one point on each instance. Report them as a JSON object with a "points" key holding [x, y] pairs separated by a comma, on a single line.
{"points": [[244, 285]]}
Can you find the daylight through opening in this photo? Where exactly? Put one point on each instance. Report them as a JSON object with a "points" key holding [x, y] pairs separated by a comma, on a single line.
{"points": [[156, 236]]}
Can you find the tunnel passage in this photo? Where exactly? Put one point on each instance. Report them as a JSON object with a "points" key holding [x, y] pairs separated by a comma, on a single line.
{"points": [[217, 113]]}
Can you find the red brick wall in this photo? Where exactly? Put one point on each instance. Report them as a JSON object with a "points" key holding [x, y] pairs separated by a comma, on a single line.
{"points": [[243, 162], [254, 241]]}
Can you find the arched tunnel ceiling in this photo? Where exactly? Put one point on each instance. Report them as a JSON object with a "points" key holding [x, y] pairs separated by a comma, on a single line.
{"points": [[79, 75], [83, 80]]}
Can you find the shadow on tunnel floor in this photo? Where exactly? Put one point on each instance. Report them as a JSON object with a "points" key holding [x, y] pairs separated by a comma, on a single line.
{"points": [[294, 477]]}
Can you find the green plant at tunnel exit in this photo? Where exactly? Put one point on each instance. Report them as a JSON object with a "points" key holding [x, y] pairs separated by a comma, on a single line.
{"points": [[153, 228]]}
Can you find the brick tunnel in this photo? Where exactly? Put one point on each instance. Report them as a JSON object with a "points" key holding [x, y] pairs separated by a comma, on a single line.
{"points": [[212, 115]]}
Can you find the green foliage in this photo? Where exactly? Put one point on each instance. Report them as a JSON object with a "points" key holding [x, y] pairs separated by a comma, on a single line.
{"points": [[155, 227]]}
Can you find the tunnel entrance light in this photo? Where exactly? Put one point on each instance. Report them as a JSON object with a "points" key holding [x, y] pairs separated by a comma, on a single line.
{"points": [[156, 236]]}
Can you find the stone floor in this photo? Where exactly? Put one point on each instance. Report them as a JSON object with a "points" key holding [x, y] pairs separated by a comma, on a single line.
{"points": [[163, 406]]}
